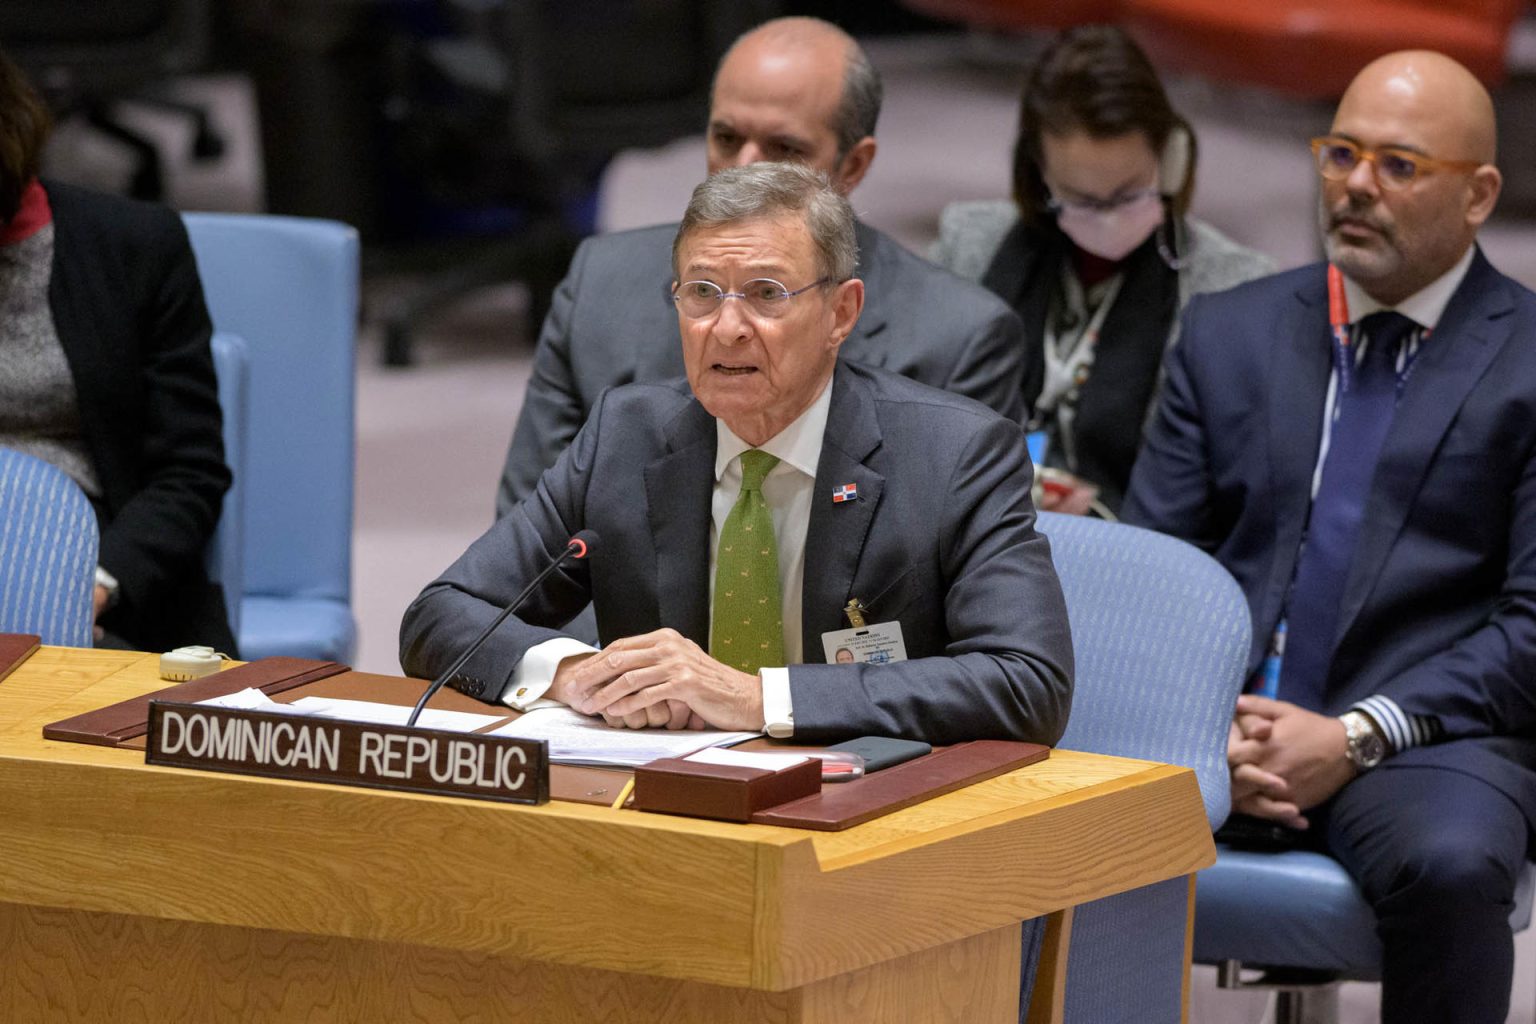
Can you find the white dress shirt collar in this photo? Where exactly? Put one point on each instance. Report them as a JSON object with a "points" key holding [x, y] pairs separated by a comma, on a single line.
{"points": [[797, 445], [1424, 307]]}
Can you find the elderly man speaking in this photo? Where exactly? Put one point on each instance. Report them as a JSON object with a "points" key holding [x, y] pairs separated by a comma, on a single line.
{"points": [[741, 510]]}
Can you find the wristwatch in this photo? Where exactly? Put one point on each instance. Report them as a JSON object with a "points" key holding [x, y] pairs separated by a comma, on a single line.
{"points": [[1364, 745]]}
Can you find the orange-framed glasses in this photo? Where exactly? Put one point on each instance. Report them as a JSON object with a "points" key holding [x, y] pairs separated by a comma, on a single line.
{"points": [[1395, 167]]}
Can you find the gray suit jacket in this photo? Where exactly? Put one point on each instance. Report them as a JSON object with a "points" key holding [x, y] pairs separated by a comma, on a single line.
{"points": [[612, 322], [941, 539]]}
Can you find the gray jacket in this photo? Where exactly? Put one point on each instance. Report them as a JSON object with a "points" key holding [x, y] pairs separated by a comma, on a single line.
{"points": [[941, 538], [971, 232]]}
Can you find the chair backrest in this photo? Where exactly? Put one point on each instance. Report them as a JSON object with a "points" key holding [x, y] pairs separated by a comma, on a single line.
{"points": [[1160, 632], [1312, 50], [48, 545], [225, 557], [289, 287], [104, 44]]}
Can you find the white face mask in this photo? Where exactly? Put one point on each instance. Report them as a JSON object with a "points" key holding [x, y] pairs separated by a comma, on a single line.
{"points": [[1112, 233]]}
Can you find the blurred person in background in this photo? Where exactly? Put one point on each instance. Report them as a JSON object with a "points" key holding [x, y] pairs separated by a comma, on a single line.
{"points": [[106, 372], [797, 90], [1097, 253]]}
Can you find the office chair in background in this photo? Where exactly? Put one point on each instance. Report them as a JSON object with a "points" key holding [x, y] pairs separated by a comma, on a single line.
{"points": [[288, 287], [48, 545], [87, 56], [225, 556], [466, 138], [1294, 923], [518, 106], [1160, 635]]}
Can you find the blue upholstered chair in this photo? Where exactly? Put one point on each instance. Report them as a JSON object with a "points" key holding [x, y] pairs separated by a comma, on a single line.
{"points": [[1298, 918], [289, 288], [48, 545], [226, 550], [1160, 632]]}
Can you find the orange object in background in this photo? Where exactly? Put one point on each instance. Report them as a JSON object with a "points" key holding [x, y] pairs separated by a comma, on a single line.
{"points": [[1313, 48], [1019, 15]]}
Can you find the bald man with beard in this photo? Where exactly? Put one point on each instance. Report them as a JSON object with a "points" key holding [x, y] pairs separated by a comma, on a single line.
{"points": [[1356, 442]]}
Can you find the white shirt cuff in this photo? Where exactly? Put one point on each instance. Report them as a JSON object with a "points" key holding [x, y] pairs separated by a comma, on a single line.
{"points": [[1401, 730], [534, 674], [778, 709]]}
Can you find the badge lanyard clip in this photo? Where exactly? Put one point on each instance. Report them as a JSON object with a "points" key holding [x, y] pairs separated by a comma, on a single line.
{"points": [[1338, 328], [855, 612]]}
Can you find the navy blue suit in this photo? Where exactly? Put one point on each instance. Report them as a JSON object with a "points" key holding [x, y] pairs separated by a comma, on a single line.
{"points": [[1439, 611]]}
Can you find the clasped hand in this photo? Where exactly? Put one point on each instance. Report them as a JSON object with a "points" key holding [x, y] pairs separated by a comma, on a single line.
{"points": [[1284, 759], [659, 679]]}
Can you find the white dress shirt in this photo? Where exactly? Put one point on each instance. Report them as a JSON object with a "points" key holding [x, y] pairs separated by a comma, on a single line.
{"points": [[788, 490]]}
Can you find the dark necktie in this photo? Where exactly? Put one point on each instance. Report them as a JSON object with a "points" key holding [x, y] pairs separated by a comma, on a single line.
{"points": [[1364, 414]]}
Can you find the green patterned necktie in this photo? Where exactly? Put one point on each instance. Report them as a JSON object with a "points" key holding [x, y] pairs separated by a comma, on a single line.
{"points": [[748, 632]]}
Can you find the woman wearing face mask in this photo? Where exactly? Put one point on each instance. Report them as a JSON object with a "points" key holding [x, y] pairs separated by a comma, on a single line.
{"points": [[1096, 253]]}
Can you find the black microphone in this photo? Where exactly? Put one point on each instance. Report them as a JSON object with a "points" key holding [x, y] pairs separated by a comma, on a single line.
{"points": [[577, 547]]}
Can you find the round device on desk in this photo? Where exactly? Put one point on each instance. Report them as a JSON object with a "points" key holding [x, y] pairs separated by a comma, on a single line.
{"points": [[186, 663]]}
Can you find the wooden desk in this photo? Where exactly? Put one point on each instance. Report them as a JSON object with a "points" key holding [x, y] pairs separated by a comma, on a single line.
{"points": [[133, 893]]}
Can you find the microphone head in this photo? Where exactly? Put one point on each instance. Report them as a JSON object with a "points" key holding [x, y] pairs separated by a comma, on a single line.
{"points": [[582, 544]]}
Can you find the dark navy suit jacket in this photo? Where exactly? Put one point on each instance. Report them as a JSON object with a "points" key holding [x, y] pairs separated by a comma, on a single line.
{"points": [[1439, 610], [941, 539]]}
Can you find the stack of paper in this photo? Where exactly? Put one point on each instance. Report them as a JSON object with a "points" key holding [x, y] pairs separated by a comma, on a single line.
{"points": [[578, 739], [371, 712]]}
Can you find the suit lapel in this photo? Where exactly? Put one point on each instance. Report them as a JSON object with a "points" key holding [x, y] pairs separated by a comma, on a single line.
{"points": [[1451, 361], [679, 488], [837, 531], [1298, 387]]}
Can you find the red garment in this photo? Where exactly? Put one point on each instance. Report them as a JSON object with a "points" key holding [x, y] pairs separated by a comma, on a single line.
{"points": [[32, 216], [1092, 269]]}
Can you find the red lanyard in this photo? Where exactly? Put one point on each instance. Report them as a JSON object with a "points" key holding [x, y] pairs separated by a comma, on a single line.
{"points": [[1338, 327], [1338, 330]]}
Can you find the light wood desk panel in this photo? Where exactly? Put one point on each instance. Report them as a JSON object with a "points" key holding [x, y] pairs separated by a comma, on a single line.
{"points": [[204, 896]]}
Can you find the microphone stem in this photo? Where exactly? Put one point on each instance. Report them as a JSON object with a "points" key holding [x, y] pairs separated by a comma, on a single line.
{"points": [[469, 652]]}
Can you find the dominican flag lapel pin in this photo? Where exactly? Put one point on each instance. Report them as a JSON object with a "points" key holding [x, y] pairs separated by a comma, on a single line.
{"points": [[847, 492]]}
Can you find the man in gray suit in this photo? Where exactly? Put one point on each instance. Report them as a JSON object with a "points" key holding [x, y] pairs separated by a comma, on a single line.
{"points": [[797, 483], [796, 89]]}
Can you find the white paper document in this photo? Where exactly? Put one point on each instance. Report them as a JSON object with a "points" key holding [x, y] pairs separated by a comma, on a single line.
{"points": [[575, 738], [748, 759], [250, 699], [372, 712]]}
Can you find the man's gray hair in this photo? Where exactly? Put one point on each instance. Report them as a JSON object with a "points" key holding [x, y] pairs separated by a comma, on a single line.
{"points": [[764, 190]]}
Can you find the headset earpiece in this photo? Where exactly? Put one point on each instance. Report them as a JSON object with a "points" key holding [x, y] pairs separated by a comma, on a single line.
{"points": [[1174, 168]]}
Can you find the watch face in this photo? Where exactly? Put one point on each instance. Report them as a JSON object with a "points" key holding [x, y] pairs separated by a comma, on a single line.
{"points": [[1366, 748]]}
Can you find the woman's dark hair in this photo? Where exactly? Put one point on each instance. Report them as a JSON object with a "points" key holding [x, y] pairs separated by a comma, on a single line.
{"points": [[24, 124], [1093, 79]]}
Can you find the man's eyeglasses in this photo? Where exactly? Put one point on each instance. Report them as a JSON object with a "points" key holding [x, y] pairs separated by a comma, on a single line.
{"points": [[764, 296], [1395, 167]]}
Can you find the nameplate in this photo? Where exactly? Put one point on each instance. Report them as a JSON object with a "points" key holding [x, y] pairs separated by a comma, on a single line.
{"points": [[348, 753]]}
